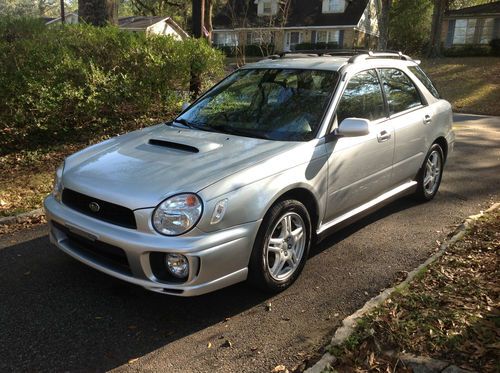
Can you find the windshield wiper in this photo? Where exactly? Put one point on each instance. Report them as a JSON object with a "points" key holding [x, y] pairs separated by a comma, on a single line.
{"points": [[191, 125], [241, 132]]}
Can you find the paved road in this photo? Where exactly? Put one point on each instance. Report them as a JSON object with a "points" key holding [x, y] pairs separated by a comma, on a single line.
{"points": [[56, 314]]}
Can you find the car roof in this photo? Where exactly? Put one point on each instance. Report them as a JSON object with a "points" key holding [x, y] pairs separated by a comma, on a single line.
{"points": [[332, 63]]}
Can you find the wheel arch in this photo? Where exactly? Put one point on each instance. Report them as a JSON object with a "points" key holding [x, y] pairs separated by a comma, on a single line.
{"points": [[441, 141]]}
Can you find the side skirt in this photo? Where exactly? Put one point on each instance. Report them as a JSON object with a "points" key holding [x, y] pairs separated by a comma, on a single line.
{"points": [[367, 208]]}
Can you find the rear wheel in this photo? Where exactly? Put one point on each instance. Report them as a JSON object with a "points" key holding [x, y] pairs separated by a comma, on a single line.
{"points": [[429, 177], [281, 247]]}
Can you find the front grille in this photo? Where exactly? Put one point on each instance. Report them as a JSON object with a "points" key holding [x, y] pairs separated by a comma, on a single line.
{"points": [[108, 212], [100, 252]]}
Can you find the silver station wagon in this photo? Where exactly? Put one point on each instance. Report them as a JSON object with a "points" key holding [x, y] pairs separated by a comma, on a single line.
{"points": [[242, 183]]}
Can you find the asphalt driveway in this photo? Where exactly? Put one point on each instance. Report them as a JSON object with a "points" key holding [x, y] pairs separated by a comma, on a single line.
{"points": [[58, 315]]}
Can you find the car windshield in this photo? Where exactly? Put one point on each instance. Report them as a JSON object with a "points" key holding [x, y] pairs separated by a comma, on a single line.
{"points": [[275, 104]]}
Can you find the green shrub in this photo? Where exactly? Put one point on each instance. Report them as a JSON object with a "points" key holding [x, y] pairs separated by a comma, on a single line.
{"points": [[316, 46], [495, 47], [472, 50], [74, 83], [252, 50]]}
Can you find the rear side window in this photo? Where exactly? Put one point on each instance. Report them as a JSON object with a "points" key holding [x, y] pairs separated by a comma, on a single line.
{"points": [[362, 98], [400, 91], [419, 73]]}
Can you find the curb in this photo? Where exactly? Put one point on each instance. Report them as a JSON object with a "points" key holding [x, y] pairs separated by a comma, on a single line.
{"points": [[350, 322], [20, 217]]}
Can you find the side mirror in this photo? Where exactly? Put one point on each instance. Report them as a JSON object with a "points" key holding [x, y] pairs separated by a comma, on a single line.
{"points": [[351, 127], [185, 105]]}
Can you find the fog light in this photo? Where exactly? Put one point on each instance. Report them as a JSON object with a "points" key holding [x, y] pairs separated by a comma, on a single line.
{"points": [[177, 265]]}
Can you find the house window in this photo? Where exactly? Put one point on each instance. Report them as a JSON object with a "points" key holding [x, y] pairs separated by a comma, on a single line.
{"points": [[464, 31], [333, 6], [225, 39], [267, 7], [292, 39], [487, 31], [327, 36], [260, 37]]}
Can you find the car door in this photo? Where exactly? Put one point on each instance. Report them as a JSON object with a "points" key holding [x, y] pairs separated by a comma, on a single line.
{"points": [[409, 115], [359, 168]]}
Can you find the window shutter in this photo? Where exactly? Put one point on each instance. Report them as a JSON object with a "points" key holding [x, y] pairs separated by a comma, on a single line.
{"points": [[451, 33], [496, 29], [313, 36], [341, 39], [326, 6], [260, 8]]}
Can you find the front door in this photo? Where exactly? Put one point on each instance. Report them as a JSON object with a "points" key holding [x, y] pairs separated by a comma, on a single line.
{"points": [[359, 168], [292, 38]]}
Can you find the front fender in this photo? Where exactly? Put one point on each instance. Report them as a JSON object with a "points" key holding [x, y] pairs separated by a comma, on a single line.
{"points": [[251, 201]]}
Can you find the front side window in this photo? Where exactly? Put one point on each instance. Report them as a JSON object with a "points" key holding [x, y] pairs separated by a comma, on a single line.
{"points": [[419, 73], [276, 104], [400, 91], [362, 98]]}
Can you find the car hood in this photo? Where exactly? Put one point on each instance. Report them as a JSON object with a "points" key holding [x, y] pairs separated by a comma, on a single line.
{"points": [[140, 169]]}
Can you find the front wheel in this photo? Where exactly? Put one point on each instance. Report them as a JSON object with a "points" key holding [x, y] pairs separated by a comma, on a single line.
{"points": [[281, 247], [429, 177]]}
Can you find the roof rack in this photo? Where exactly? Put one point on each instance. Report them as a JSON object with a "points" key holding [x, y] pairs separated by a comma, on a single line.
{"points": [[356, 55], [386, 54], [318, 53]]}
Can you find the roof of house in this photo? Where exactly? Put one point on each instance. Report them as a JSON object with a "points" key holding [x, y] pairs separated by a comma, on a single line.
{"points": [[302, 13], [490, 8], [139, 22]]}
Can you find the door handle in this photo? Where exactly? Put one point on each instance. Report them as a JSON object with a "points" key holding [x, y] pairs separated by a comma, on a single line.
{"points": [[383, 136], [427, 119]]}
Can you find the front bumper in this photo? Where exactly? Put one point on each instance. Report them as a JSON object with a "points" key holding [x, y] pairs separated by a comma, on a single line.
{"points": [[217, 259]]}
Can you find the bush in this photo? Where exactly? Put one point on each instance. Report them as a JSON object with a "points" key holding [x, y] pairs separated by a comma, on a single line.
{"points": [[495, 47], [472, 50], [74, 83], [316, 46], [252, 50]]}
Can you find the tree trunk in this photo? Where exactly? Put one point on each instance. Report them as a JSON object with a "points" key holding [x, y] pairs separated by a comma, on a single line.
{"points": [[98, 12], [384, 24], [63, 16], [208, 22], [198, 28], [434, 49]]}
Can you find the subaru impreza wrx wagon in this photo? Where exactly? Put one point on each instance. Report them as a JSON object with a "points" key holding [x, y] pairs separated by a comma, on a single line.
{"points": [[245, 179]]}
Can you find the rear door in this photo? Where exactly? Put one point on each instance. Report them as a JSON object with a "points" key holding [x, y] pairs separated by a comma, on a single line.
{"points": [[359, 168], [409, 116]]}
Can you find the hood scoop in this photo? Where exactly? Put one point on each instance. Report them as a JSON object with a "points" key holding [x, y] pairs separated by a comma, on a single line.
{"points": [[174, 145]]}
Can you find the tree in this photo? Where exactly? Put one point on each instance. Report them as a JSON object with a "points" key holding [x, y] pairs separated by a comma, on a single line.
{"points": [[385, 7], [98, 12]]}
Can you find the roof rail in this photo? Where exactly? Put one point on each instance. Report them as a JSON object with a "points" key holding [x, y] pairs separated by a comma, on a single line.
{"points": [[318, 53], [387, 54]]}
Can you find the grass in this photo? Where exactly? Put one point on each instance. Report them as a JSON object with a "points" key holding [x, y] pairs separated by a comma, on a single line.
{"points": [[471, 84], [450, 312]]}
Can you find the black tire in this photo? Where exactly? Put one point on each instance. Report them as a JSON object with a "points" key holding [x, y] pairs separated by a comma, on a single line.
{"points": [[259, 272], [423, 194]]}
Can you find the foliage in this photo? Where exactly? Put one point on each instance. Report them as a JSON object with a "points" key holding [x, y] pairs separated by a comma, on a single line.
{"points": [[409, 25], [252, 50], [68, 84], [316, 46], [448, 312], [495, 47], [468, 50]]}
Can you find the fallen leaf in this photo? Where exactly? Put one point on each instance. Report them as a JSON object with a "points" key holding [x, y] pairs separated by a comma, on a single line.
{"points": [[209, 345], [279, 369], [131, 361]]}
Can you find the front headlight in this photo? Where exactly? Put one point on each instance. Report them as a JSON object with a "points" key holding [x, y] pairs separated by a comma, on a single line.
{"points": [[177, 214], [58, 187]]}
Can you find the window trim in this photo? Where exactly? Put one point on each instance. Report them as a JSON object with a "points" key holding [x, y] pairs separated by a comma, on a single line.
{"points": [[330, 127]]}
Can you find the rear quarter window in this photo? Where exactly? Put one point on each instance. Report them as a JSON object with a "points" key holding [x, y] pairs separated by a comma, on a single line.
{"points": [[424, 79]]}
